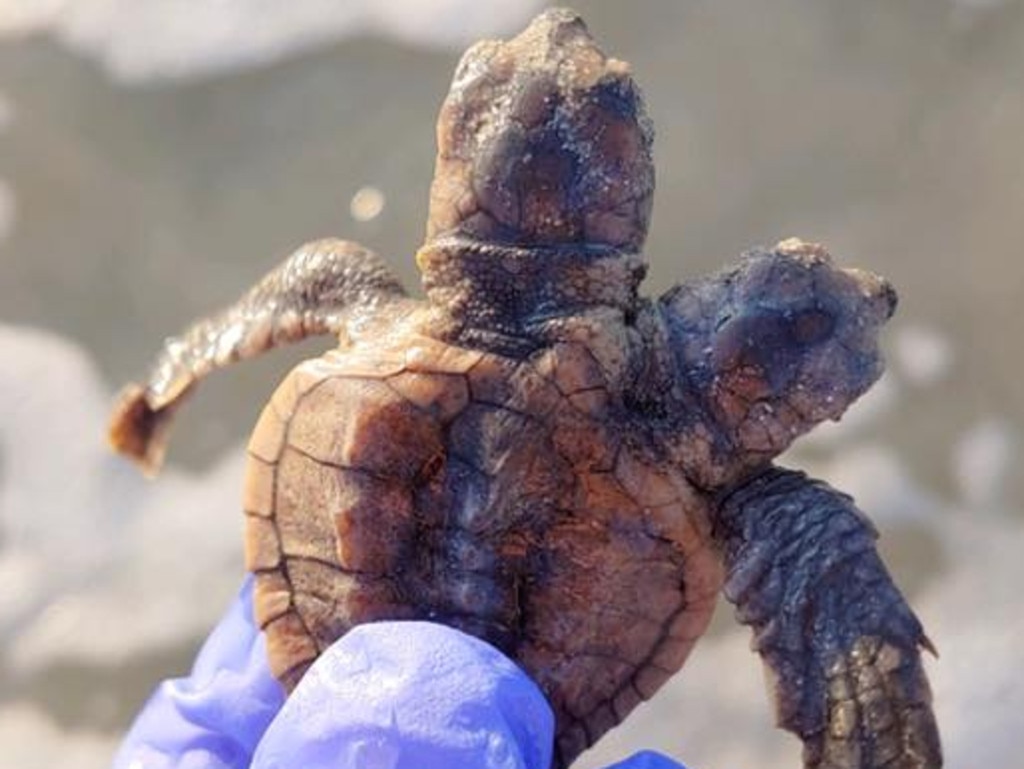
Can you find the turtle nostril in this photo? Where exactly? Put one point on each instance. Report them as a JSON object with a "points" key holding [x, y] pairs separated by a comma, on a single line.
{"points": [[888, 298]]}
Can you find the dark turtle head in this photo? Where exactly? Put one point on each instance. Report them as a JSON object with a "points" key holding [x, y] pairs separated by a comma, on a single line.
{"points": [[780, 343], [543, 164]]}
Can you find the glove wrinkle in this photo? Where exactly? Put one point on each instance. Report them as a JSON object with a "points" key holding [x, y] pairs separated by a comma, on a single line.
{"points": [[388, 695]]}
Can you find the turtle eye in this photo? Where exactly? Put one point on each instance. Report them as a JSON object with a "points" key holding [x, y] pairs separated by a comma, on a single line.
{"points": [[811, 326], [750, 340]]}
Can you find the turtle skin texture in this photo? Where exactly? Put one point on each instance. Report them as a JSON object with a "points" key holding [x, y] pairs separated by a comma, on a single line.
{"points": [[540, 456]]}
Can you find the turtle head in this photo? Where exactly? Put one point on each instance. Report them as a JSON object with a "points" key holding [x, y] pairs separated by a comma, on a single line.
{"points": [[543, 165], [786, 340]]}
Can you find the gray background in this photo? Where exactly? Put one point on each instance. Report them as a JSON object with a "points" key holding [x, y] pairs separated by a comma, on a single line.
{"points": [[889, 131]]}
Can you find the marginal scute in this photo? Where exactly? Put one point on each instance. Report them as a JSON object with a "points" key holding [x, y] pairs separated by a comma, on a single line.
{"points": [[602, 719], [626, 700], [649, 679], [286, 395], [272, 597], [258, 488], [571, 741], [672, 653], [262, 548], [268, 437], [288, 643]]}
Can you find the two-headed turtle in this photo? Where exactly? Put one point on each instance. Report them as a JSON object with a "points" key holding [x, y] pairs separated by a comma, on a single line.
{"points": [[542, 457]]}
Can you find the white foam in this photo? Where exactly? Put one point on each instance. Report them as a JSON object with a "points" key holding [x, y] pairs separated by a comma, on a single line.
{"points": [[139, 41], [24, 16], [87, 541], [31, 740]]}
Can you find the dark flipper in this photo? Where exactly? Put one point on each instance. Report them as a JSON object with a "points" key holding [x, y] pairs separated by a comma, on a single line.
{"points": [[840, 642], [310, 293]]}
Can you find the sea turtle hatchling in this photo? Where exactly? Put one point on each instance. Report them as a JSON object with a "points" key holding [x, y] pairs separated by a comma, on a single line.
{"points": [[542, 457]]}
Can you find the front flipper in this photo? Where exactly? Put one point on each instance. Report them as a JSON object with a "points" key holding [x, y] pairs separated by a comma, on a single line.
{"points": [[310, 293], [840, 642]]}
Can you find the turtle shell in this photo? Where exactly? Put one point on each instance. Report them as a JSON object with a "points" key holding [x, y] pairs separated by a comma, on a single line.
{"points": [[514, 499]]}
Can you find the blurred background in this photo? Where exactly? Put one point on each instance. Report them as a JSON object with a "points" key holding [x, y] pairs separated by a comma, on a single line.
{"points": [[156, 158]]}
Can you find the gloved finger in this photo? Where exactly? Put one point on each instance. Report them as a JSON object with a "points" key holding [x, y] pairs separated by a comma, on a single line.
{"points": [[647, 759], [214, 717], [411, 695]]}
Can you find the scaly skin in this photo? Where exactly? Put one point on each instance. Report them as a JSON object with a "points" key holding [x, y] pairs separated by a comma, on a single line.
{"points": [[542, 457], [804, 573]]}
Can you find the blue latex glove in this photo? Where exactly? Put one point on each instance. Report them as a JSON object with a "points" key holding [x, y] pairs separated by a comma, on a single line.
{"points": [[393, 695]]}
